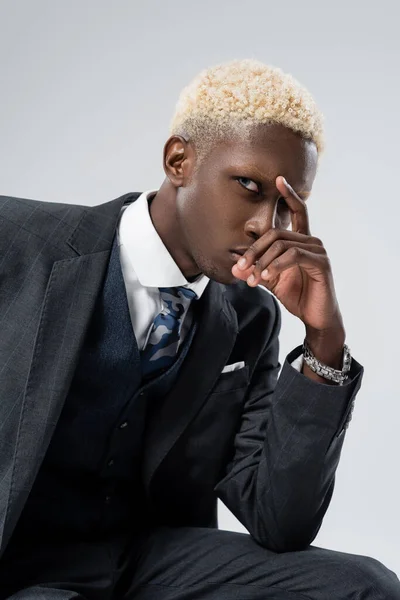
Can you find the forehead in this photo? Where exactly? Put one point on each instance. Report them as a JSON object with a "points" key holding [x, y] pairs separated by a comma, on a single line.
{"points": [[269, 151]]}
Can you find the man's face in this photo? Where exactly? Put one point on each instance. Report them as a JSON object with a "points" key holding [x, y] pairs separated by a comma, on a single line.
{"points": [[231, 199]]}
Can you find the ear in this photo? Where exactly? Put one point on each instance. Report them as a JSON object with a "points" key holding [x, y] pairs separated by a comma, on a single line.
{"points": [[178, 160]]}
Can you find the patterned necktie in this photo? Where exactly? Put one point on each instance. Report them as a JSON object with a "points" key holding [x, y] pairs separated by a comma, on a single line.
{"points": [[162, 346]]}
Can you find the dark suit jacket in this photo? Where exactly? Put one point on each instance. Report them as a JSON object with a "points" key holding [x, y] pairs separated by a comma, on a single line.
{"points": [[269, 449]]}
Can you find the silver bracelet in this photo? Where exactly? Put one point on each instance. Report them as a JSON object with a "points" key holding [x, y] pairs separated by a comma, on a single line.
{"points": [[328, 372]]}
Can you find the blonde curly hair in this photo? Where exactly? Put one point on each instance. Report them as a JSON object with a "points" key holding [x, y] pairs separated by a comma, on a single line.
{"points": [[234, 97]]}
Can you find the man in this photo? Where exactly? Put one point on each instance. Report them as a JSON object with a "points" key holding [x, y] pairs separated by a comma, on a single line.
{"points": [[139, 371]]}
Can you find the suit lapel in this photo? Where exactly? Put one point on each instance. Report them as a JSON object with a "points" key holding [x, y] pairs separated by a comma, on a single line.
{"points": [[210, 349], [70, 297]]}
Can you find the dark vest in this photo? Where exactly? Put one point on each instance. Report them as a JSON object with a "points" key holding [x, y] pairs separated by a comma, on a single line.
{"points": [[89, 485]]}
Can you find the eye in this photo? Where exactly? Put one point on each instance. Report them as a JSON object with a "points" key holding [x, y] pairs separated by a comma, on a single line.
{"points": [[246, 182]]}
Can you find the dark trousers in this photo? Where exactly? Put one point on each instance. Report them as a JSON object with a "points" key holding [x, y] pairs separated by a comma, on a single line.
{"points": [[191, 564]]}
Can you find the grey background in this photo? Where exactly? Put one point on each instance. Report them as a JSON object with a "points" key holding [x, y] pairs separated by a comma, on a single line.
{"points": [[87, 91]]}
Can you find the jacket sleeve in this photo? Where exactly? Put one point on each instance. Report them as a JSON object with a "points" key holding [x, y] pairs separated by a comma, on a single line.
{"points": [[281, 479]]}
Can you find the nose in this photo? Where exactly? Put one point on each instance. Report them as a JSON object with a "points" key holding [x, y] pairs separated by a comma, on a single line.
{"points": [[261, 220]]}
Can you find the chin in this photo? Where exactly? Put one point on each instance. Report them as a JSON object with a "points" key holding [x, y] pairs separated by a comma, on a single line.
{"points": [[219, 275]]}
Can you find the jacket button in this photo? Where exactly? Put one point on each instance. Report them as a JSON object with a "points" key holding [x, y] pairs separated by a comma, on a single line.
{"points": [[123, 425]]}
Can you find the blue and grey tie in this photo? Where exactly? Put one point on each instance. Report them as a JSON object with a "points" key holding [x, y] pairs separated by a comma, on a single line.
{"points": [[162, 346]]}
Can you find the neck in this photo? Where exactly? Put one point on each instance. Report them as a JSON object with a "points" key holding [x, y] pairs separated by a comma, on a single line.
{"points": [[163, 213]]}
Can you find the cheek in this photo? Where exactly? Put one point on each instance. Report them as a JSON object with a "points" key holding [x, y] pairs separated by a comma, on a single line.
{"points": [[196, 218], [211, 213]]}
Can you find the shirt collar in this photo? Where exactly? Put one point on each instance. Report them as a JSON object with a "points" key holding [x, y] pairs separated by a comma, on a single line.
{"points": [[150, 259]]}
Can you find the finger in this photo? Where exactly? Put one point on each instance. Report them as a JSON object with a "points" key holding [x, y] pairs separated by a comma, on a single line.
{"points": [[297, 207], [242, 274], [273, 255], [260, 246], [317, 265]]}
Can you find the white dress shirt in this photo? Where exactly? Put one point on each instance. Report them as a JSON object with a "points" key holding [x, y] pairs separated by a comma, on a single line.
{"points": [[146, 266]]}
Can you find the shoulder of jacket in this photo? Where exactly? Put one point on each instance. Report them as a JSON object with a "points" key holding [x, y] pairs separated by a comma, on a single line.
{"points": [[16, 209]]}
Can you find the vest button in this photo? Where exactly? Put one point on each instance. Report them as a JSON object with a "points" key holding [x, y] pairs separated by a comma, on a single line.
{"points": [[110, 463], [123, 425], [107, 499]]}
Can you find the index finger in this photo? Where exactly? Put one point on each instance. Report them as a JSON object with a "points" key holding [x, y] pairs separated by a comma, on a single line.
{"points": [[297, 207]]}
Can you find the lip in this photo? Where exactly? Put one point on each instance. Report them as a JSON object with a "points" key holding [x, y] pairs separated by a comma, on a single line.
{"points": [[239, 251], [236, 254]]}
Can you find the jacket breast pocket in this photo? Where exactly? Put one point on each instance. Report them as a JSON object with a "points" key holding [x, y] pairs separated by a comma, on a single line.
{"points": [[231, 381]]}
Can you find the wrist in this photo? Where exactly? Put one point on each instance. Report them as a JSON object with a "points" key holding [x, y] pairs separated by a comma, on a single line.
{"points": [[327, 346]]}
